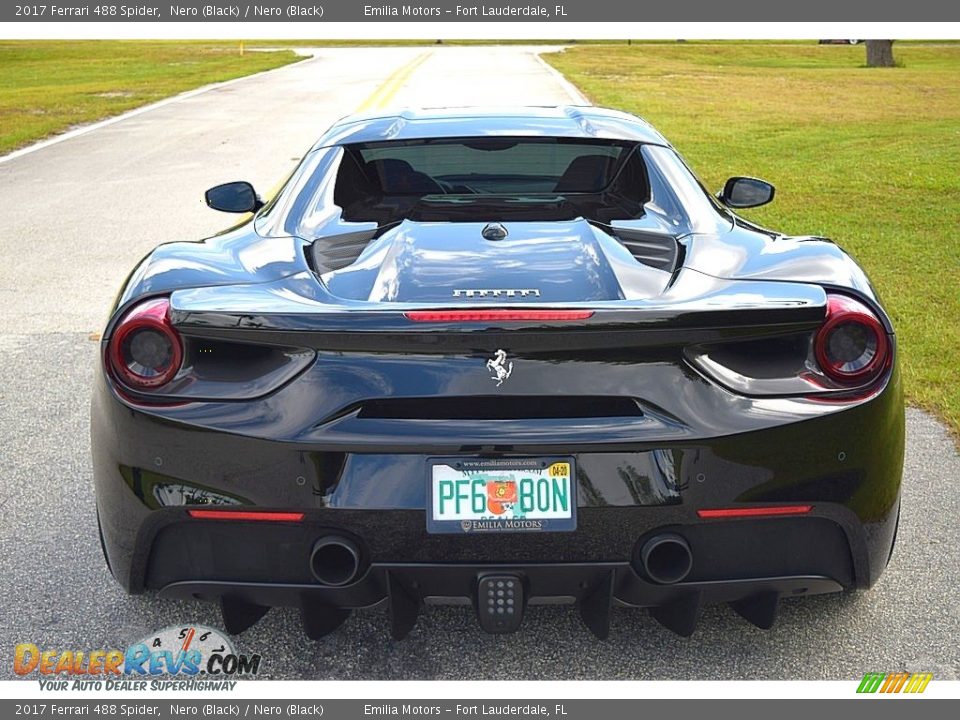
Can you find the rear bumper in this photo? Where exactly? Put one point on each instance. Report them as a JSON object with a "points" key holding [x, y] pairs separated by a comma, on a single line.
{"points": [[186, 549], [846, 462], [249, 567]]}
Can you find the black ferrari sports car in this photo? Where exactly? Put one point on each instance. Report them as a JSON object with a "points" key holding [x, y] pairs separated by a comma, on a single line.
{"points": [[497, 358]]}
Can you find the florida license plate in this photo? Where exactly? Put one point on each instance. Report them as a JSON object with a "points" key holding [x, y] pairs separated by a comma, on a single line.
{"points": [[501, 495]]}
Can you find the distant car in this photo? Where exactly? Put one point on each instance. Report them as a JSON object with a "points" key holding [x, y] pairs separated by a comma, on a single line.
{"points": [[497, 357], [840, 42]]}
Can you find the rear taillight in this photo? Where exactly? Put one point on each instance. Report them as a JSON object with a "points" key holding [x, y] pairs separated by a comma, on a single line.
{"points": [[851, 346], [145, 351]]}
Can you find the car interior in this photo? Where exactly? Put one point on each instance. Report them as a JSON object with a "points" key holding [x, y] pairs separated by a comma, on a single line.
{"points": [[386, 183]]}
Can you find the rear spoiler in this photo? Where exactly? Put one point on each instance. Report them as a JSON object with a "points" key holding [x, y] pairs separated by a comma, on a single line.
{"points": [[697, 306]]}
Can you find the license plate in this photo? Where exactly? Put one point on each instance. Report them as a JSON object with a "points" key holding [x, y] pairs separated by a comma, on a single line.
{"points": [[467, 495]]}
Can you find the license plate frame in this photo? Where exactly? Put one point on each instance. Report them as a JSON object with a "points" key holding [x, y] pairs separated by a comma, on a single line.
{"points": [[500, 473]]}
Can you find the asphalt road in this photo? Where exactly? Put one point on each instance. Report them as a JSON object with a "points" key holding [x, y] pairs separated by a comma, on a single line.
{"points": [[80, 213]]}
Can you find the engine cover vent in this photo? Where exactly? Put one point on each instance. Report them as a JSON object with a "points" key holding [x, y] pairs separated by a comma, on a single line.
{"points": [[339, 251], [655, 249]]}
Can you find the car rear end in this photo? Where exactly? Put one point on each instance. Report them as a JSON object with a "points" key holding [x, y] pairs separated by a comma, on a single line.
{"points": [[727, 441]]}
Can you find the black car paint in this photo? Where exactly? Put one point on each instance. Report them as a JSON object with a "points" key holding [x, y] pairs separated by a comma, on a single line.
{"points": [[291, 443]]}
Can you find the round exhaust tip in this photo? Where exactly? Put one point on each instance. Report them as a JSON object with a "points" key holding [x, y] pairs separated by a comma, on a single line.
{"points": [[335, 560], [666, 558]]}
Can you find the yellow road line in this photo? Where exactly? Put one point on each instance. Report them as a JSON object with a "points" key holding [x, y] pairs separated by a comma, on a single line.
{"points": [[377, 100], [382, 96]]}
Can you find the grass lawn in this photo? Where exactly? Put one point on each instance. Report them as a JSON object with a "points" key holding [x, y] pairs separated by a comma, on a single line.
{"points": [[868, 157], [48, 87]]}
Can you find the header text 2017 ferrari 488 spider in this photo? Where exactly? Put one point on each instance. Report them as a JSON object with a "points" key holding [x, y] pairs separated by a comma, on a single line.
{"points": [[498, 356]]}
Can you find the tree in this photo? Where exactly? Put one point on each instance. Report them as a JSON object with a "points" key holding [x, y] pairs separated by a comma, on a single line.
{"points": [[880, 53]]}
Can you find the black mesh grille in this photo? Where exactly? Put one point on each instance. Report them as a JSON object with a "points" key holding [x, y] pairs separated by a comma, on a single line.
{"points": [[517, 407]]}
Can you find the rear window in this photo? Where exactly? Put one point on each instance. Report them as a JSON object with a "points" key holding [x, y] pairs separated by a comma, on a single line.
{"points": [[494, 166]]}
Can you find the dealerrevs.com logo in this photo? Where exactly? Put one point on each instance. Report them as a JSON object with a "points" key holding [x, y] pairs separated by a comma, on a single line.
{"points": [[200, 657]]}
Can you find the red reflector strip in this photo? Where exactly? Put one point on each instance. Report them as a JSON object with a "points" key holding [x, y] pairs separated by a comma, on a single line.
{"points": [[491, 315], [264, 516], [755, 511]]}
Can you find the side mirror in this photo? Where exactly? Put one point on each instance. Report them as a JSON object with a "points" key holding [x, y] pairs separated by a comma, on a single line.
{"points": [[233, 197], [746, 192]]}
